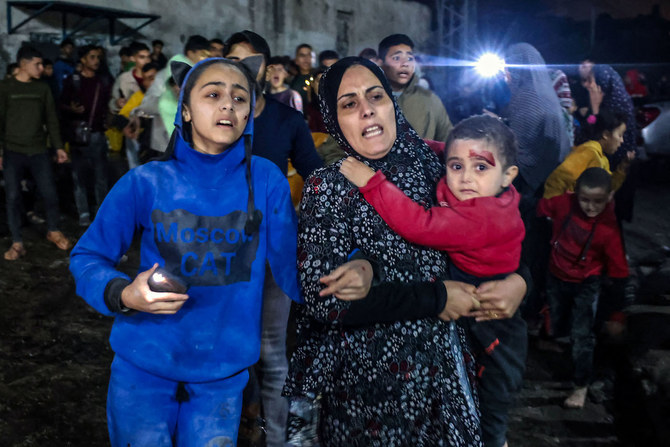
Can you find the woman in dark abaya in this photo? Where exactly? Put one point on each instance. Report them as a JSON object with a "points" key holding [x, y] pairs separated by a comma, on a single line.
{"points": [[608, 91], [391, 371]]}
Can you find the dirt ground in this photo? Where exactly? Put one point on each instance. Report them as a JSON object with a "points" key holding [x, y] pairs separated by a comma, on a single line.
{"points": [[54, 354]]}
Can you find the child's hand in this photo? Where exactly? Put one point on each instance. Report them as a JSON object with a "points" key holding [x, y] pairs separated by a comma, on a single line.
{"points": [[461, 300], [138, 296], [499, 299], [356, 172]]}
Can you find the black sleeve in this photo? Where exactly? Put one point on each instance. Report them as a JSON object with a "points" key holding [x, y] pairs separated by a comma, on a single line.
{"points": [[113, 296], [394, 301], [524, 272], [377, 271]]}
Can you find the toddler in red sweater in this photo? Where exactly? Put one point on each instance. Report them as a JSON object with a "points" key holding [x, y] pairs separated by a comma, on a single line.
{"points": [[586, 242], [477, 222]]}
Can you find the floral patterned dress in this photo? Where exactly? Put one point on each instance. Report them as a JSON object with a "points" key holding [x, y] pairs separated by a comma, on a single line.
{"points": [[405, 383]]}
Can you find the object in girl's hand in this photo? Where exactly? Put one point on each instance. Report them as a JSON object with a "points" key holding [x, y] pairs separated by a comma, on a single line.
{"points": [[163, 281]]}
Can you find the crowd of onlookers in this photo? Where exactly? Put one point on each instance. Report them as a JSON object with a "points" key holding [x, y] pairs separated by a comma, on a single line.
{"points": [[563, 150]]}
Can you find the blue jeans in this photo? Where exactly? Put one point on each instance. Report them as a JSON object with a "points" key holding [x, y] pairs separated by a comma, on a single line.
{"points": [[273, 364], [144, 410], [90, 161], [15, 164], [572, 307]]}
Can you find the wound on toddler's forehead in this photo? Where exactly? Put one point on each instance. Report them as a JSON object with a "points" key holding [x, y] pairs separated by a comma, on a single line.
{"points": [[486, 155]]}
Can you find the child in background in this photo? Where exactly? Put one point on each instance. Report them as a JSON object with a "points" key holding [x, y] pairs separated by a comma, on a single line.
{"points": [[586, 242], [479, 225], [607, 136], [277, 88]]}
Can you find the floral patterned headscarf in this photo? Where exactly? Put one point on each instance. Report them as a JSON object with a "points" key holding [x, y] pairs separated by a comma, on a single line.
{"points": [[408, 146]]}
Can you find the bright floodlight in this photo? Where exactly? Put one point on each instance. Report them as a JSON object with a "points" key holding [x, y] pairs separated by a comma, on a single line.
{"points": [[489, 65]]}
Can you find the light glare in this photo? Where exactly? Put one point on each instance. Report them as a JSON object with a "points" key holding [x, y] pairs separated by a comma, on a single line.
{"points": [[489, 65]]}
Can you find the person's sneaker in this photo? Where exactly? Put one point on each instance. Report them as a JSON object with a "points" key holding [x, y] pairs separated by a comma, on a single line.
{"points": [[84, 220], [15, 252], [59, 239], [576, 399]]}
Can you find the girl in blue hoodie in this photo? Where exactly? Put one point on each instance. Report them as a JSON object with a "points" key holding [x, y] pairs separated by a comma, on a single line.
{"points": [[213, 216]]}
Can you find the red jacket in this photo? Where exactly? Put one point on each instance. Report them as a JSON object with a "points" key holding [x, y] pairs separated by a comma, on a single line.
{"points": [[570, 241], [482, 235]]}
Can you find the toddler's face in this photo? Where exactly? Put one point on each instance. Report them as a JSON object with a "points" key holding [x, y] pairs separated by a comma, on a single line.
{"points": [[474, 169], [593, 201]]}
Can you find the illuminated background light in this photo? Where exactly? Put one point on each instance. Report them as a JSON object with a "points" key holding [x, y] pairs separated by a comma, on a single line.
{"points": [[489, 65]]}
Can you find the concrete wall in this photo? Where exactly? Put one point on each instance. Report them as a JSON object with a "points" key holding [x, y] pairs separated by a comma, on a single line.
{"points": [[284, 23]]}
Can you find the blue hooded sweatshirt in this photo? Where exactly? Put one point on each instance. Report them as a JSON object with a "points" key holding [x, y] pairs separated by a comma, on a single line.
{"points": [[190, 212]]}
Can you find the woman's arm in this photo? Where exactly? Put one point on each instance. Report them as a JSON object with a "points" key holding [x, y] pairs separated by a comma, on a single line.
{"points": [[324, 243], [394, 301]]}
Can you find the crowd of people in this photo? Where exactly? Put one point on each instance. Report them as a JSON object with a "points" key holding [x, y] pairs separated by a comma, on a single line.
{"points": [[410, 251]]}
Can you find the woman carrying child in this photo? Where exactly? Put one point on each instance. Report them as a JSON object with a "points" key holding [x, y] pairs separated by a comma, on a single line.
{"points": [[390, 371], [478, 224]]}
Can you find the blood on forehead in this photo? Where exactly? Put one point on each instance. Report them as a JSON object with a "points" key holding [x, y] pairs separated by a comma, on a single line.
{"points": [[485, 155]]}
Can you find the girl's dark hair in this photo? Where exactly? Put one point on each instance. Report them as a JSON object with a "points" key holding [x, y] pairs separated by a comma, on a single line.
{"points": [[193, 78], [606, 120], [493, 131]]}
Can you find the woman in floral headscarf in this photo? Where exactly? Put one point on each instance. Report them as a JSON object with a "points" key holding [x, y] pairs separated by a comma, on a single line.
{"points": [[390, 372], [607, 91]]}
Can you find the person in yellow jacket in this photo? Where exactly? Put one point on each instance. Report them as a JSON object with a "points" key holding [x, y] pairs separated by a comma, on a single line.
{"points": [[607, 135], [122, 123]]}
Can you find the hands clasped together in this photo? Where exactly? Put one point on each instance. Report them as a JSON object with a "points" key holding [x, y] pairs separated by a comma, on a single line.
{"points": [[492, 300]]}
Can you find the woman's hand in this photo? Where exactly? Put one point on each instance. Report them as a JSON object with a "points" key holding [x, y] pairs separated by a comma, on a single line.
{"points": [[349, 282], [356, 172], [138, 296], [460, 300], [499, 299]]}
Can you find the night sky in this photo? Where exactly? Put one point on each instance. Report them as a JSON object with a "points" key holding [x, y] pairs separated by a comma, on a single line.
{"points": [[626, 32]]}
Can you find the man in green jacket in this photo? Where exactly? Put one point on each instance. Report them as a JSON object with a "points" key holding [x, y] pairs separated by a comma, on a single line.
{"points": [[422, 108], [27, 108]]}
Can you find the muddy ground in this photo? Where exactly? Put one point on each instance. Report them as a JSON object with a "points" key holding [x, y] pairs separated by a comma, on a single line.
{"points": [[54, 354]]}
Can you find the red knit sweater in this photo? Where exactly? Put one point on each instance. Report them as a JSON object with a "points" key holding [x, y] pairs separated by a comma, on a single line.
{"points": [[605, 253]]}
